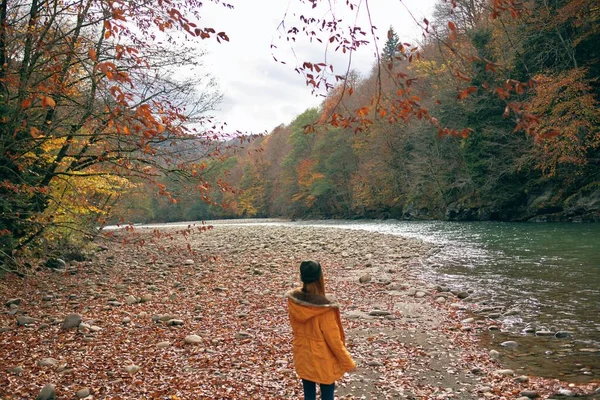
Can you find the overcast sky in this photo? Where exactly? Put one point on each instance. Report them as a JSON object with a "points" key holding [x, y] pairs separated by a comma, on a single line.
{"points": [[259, 93]]}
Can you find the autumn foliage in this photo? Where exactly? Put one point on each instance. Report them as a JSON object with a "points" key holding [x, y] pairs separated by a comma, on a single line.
{"points": [[91, 107]]}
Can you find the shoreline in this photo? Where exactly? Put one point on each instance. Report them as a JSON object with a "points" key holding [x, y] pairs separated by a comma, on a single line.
{"points": [[230, 294]]}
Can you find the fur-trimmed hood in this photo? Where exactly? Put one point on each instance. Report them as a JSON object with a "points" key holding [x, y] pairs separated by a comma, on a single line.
{"points": [[304, 306]]}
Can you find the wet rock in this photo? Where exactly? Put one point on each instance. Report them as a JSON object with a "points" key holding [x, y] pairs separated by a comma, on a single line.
{"points": [[71, 321], [114, 303], [462, 294], [563, 334], [365, 278], [193, 339], [522, 379], [47, 393], [24, 320], [528, 330], [511, 344], [544, 333], [175, 322]]}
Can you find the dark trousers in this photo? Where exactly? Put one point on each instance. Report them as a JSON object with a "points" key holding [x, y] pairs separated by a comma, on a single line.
{"points": [[310, 390]]}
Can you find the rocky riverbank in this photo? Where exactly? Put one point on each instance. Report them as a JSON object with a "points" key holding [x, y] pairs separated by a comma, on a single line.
{"points": [[202, 315]]}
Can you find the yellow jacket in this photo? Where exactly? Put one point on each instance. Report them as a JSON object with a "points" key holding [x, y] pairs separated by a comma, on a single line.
{"points": [[320, 353]]}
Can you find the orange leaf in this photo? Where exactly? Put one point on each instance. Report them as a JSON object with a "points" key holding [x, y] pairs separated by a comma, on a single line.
{"points": [[48, 101], [92, 54], [26, 103], [451, 26]]}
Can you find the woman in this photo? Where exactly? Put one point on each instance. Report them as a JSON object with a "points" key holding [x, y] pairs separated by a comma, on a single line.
{"points": [[320, 354]]}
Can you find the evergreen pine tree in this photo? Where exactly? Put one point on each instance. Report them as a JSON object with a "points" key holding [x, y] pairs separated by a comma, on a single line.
{"points": [[391, 46]]}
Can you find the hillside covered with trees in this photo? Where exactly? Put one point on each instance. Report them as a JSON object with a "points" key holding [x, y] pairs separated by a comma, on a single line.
{"points": [[506, 127]]}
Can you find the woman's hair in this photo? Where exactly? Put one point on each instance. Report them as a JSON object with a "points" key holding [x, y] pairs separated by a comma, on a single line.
{"points": [[316, 287]]}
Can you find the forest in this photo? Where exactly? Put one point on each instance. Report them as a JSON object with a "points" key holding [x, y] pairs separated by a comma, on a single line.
{"points": [[510, 130], [494, 115]]}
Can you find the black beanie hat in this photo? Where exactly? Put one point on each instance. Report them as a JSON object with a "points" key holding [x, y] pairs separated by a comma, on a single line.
{"points": [[310, 271]]}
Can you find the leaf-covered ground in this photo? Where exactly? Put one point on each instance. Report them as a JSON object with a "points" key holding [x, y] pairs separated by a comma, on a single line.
{"points": [[138, 306]]}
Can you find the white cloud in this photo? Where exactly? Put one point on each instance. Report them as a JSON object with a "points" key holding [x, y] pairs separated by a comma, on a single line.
{"points": [[259, 93]]}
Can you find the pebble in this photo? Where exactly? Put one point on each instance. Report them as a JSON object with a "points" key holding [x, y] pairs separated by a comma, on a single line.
{"points": [[83, 393], [494, 355], [379, 313], [511, 344], [46, 362], [162, 345], [16, 301], [566, 392], [193, 339], [17, 370], [365, 278], [126, 320], [71, 321], [132, 369], [130, 299], [522, 379], [508, 372], [47, 393], [563, 334], [544, 333], [529, 394], [23, 320]]}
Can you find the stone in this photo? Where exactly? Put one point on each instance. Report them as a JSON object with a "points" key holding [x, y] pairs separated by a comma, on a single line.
{"points": [[16, 301], [440, 300], [56, 263], [420, 294], [132, 369], [47, 393], [462, 294], [242, 335], [507, 372], [189, 261], [126, 320], [145, 298], [114, 303], [131, 300], [563, 334], [71, 321], [162, 345], [82, 393], [511, 344], [544, 333], [522, 379], [17, 370], [365, 278], [375, 363], [379, 313], [47, 362], [468, 320], [494, 355], [174, 322], [566, 392], [193, 339], [531, 394], [24, 320]]}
